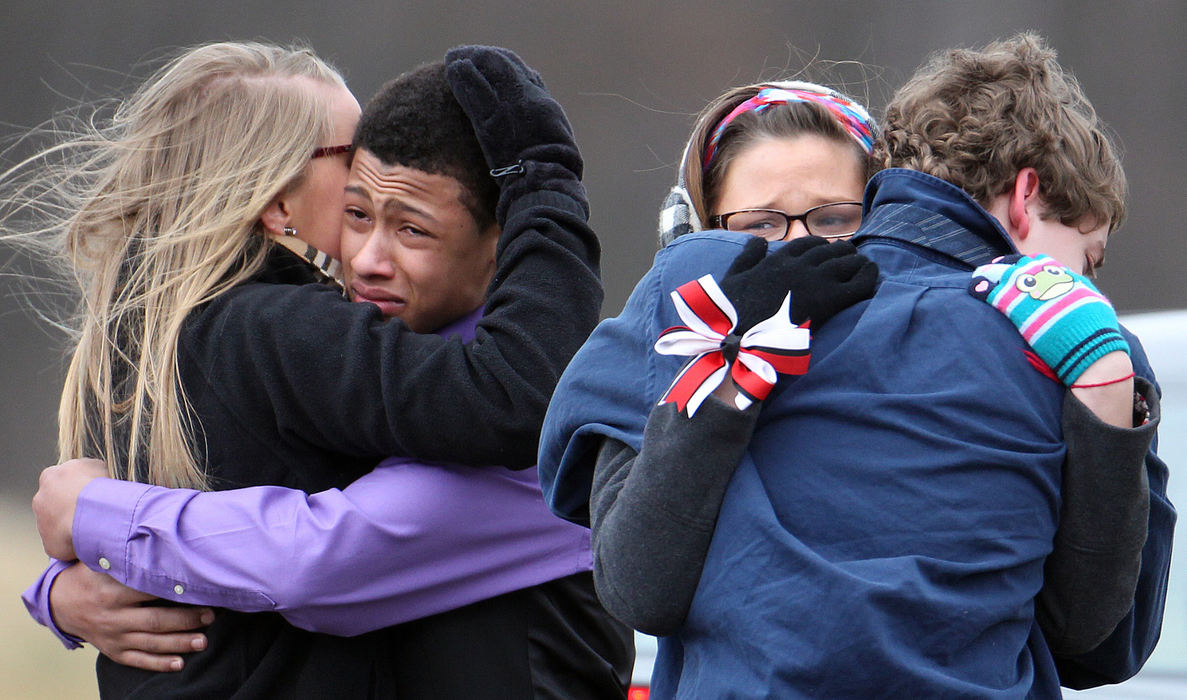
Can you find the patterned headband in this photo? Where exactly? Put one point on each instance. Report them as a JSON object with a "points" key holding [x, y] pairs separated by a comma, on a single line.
{"points": [[852, 116]]}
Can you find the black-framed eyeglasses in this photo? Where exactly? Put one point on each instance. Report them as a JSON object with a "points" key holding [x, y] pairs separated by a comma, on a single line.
{"points": [[833, 220], [331, 150]]}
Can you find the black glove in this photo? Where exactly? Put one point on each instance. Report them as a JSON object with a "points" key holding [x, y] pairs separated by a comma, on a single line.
{"points": [[824, 278], [523, 131]]}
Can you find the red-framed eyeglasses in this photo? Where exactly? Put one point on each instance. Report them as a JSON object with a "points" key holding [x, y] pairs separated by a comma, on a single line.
{"points": [[331, 150]]}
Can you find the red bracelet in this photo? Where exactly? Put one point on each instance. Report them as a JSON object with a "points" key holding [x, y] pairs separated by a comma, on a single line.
{"points": [[1118, 380]]}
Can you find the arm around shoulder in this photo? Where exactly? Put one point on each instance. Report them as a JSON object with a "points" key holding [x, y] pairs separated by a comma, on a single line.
{"points": [[1123, 652], [340, 377], [1092, 572]]}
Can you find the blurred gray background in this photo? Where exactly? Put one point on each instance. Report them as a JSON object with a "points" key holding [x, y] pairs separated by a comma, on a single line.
{"points": [[631, 75]]}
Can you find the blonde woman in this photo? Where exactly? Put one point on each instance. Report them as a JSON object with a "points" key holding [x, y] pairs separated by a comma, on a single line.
{"points": [[190, 225]]}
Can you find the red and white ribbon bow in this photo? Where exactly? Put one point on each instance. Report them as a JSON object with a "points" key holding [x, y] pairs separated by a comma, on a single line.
{"points": [[771, 347]]}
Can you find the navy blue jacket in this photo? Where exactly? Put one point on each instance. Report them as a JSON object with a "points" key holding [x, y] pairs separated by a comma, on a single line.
{"points": [[885, 532]]}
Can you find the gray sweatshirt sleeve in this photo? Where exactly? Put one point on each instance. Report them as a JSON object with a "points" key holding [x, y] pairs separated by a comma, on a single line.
{"points": [[1092, 572], [653, 513]]}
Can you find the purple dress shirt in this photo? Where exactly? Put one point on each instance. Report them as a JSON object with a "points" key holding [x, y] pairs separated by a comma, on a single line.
{"points": [[403, 542]]}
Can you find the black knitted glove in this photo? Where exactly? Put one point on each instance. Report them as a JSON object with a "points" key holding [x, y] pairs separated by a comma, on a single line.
{"points": [[824, 278], [523, 131]]}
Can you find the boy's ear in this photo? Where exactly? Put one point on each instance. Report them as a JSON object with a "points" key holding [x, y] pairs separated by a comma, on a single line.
{"points": [[275, 216], [1023, 202], [493, 233]]}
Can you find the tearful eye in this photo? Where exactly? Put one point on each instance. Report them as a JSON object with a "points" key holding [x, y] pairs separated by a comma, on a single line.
{"points": [[1027, 283], [755, 221], [355, 217], [764, 223]]}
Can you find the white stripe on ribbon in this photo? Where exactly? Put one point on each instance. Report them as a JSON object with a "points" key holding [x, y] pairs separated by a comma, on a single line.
{"points": [[697, 338]]}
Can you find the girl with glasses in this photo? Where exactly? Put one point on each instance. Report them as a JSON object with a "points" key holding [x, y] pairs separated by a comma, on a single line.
{"points": [[779, 162]]}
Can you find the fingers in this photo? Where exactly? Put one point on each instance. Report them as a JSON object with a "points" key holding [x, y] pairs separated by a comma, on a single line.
{"points": [[519, 66], [752, 254], [838, 261], [480, 53], [856, 279], [146, 661], [847, 267], [504, 80], [53, 510], [867, 275], [797, 247], [859, 284], [84, 466], [167, 620], [472, 90], [831, 278], [460, 53], [94, 605], [164, 644], [492, 60], [490, 75], [114, 619], [815, 251], [507, 63], [153, 638]]}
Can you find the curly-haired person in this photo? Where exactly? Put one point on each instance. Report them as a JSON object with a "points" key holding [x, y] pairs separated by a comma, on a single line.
{"points": [[893, 517]]}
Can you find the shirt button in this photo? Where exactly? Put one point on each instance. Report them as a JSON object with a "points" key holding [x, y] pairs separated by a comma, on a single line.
{"points": [[104, 564], [179, 589]]}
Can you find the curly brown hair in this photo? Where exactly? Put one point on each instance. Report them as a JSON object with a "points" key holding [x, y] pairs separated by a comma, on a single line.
{"points": [[976, 118]]}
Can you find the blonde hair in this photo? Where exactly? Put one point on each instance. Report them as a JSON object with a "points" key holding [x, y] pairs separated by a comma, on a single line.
{"points": [[778, 120], [976, 118], [154, 211]]}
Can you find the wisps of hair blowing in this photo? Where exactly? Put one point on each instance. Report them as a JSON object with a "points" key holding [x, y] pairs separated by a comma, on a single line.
{"points": [[150, 208], [976, 118], [776, 121]]}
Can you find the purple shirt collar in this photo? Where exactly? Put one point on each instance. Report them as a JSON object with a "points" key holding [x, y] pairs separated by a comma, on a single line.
{"points": [[463, 327]]}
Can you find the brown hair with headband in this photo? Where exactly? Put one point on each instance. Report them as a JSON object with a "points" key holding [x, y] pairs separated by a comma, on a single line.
{"points": [[776, 121]]}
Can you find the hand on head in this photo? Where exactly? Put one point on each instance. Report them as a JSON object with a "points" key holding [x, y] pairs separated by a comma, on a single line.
{"points": [[523, 131], [514, 115]]}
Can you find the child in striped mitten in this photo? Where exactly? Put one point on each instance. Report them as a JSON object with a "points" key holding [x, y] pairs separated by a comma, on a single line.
{"points": [[1067, 322]]}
